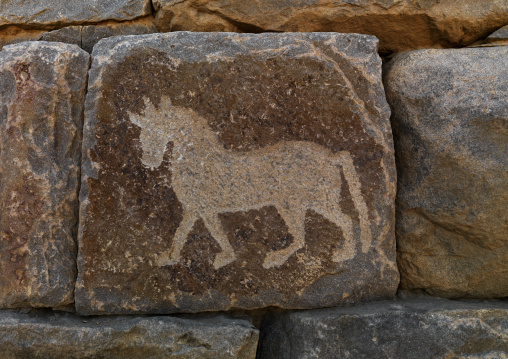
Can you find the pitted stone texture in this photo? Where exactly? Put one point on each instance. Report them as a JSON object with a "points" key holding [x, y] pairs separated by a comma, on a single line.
{"points": [[450, 118], [11, 35], [235, 171], [93, 33], [42, 92], [87, 36], [49, 13], [68, 35], [61, 336], [403, 329], [399, 24]]}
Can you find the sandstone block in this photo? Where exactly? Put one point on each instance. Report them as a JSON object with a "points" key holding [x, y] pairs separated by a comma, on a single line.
{"points": [[42, 91], [411, 329], [69, 12], [399, 24], [62, 336], [235, 171], [11, 35], [450, 118]]}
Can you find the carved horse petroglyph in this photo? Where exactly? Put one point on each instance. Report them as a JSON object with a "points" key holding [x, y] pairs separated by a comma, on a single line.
{"points": [[293, 176]]}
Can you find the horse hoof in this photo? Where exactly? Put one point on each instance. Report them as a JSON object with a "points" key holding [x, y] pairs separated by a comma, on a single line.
{"points": [[164, 260], [339, 257], [222, 259], [273, 260]]}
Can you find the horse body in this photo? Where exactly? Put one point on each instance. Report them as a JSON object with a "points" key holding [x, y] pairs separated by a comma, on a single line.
{"points": [[208, 180]]}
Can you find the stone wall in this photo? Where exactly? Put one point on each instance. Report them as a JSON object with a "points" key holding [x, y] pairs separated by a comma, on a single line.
{"points": [[270, 179]]}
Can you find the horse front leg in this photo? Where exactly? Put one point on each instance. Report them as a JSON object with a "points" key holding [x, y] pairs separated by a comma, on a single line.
{"points": [[173, 256], [212, 222]]}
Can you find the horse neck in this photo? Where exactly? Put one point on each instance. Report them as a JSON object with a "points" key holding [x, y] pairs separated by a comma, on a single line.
{"points": [[195, 136]]}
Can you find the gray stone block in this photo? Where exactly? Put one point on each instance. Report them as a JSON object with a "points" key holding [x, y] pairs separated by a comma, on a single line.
{"points": [[69, 12], [402, 329], [60, 336], [450, 123]]}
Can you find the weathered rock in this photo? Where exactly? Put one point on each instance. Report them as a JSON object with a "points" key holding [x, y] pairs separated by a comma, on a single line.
{"points": [[69, 12], [498, 37], [87, 36], [51, 335], [11, 35], [68, 35], [399, 24], [450, 118], [235, 171], [413, 329], [42, 91], [93, 33]]}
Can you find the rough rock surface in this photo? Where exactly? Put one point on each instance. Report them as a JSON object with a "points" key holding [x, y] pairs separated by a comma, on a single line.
{"points": [[235, 171], [399, 24], [450, 119], [68, 35], [93, 33], [42, 92], [67, 12], [11, 35], [498, 37], [62, 336], [87, 36], [410, 329]]}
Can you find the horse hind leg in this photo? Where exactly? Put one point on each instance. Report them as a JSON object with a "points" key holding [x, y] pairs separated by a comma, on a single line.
{"points": [[212, 222], [173, 256], [295, 220]]}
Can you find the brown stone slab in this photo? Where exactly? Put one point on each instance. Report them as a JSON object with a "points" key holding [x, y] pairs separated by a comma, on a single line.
{"points": [[11, 35], [235, 171], [42, 92], [400, 25]]}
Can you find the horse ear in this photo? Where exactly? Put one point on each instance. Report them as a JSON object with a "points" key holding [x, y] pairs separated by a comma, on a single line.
{"points": [[146, 118], [135, 119], [166, 101], [142, 120]]}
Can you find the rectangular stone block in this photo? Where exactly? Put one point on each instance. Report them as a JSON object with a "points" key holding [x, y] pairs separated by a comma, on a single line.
{"points": [[451, 135], [62, 336], [42, 92], [235, 171], [58, 12], [400, 25], [425, 328]]}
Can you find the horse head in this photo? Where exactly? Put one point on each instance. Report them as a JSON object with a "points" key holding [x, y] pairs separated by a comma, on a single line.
{"points": [[157, 129]]}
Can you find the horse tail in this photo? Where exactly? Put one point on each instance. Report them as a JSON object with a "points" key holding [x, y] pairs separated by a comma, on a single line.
{"points": [[353, 181]]}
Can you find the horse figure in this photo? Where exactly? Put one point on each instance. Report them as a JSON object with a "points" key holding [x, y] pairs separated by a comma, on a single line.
{"points": [[293, 176]]}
